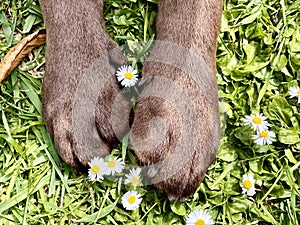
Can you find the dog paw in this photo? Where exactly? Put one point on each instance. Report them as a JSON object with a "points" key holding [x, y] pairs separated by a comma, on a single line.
{"points": [[83, 107], [176, 124]]}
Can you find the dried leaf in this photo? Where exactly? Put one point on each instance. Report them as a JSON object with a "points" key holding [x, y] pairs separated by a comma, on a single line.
{"points": [[17, 53]]}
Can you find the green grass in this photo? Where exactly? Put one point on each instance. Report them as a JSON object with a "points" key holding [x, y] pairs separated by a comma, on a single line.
{"points": [[258, 60]]}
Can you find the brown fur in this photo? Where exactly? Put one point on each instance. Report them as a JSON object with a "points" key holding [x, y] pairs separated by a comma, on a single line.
{"points": [[76, 37], [193, 25]]}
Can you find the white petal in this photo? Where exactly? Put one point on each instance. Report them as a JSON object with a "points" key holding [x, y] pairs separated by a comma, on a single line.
{"points": [[251, 192], [92, 176], [124, 82], [120, 78]]}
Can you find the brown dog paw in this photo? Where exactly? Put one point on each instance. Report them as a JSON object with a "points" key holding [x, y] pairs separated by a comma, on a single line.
{"points": [[81, 97], [175, 132]]}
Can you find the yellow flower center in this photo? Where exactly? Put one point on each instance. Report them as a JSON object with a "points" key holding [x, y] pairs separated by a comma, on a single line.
{"points": [[298, 92], [257, 120], [128, 75], [111, 164], [134, 180], [200, 222], [95, 169], [247, 184], [264, 134], [131, 199]]}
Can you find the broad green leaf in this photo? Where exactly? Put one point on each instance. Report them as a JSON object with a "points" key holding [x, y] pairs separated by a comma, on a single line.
{"points": [[6, 27], [279, 109], [278, 63], [239, 205], [244, 134], [227, 152], [253, 67], [249, 19], [178, 208], [29, 23], [250, 50], [290, 156], [288, 136], [224, 173]]}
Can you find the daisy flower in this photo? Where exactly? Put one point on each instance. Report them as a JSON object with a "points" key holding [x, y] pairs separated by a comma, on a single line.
{"points": [[133, 177], [257, 121], [248, 184], [199, 217], [127, 75], [114, 165], [295, 92], [264, 137], [97, 169], [131, 200]]}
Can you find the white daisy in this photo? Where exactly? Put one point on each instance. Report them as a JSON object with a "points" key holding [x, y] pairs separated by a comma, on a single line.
{"points": [[127, 75], [248, 184], [97, 169], [295, 92], [115, 165], [133, 177], [131, 200], [258, 122], [199, 217], [264, 137]]}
